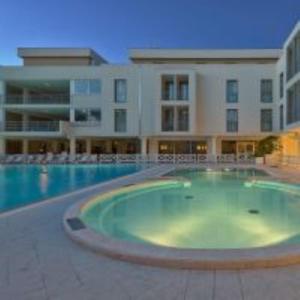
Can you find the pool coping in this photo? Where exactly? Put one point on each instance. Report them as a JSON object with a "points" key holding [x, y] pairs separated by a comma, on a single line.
{"points": [[171, 257]]}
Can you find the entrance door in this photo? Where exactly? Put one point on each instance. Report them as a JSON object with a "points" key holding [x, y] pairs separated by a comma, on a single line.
{"points": [[245, 148]]}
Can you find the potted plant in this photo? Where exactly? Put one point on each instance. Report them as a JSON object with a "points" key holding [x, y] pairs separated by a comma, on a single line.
{"points": [[266, 146]]}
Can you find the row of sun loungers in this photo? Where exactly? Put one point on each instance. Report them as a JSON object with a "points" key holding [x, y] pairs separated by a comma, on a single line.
{"points": [[49, 159]]}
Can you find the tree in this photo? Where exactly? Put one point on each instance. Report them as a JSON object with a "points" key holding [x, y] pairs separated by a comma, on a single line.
{"points": [[267, 146]]}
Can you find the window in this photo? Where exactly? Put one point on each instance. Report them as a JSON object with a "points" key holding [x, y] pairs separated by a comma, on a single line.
{"points": [[182, 87], [182, 118], [182, 147], [281, 117], [120, 120], [266, 90], [232, 120], [95, 86], [293, 57], [293, 104], [87, 115], [81, 87], [175, 87], [87, 86], [266, 120], [120, 90], [167, 118], [95, 115], [168, 87], [281, 85], [175, 118], [232, 91]]}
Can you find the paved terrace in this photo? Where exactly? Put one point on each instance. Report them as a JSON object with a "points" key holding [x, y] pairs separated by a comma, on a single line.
{"points": [[38, 261]]}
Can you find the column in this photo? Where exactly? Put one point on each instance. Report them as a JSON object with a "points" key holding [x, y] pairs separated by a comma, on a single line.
{"points": [[72, 146], [72, 115], [212, 148], [2, 146], [88, 146], [54, 146], [214, 145], [2, 119], [25, 146], [108, 146], [25, 119], [2, 92], [144, 146], [25, 95]]}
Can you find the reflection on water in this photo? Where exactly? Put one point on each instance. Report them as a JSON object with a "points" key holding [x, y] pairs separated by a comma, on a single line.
{"points": [[24, 184], [212, 213]]}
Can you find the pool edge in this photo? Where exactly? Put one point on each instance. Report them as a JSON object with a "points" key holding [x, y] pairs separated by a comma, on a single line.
{"points": [[202, 259]]}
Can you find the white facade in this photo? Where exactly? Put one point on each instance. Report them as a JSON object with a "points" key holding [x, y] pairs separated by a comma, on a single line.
{"points": [[165, 101]]}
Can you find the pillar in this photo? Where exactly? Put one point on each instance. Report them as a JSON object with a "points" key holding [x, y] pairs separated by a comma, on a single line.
{"points": [[88, 146], [144, 146], [25, 119], [25, 95], [108, 146], [2, 118], [72, 115], [2, 146], [25, 146], [213, 146], [72, 146], [54, 146]]}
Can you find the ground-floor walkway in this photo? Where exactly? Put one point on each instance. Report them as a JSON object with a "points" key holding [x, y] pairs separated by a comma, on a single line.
{"points": [[38, 261]]}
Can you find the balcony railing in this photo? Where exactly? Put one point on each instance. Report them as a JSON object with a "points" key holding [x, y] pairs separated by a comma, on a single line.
{"points": [[38, 99], [31, 126], [86, 124]]}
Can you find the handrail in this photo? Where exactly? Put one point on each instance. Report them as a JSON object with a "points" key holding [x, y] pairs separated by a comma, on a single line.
{"points": [[38, 99], [43, 126], [194, 159]]}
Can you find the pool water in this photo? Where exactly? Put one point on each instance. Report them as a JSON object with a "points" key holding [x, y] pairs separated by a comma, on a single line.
{"points": [[24, 184], [219, 209]]}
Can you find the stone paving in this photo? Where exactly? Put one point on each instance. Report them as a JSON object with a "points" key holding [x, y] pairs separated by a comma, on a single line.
{"points": [[38, 261]]}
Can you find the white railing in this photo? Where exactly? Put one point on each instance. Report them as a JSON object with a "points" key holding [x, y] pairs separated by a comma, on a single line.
{"points": [[37, 126], [127, 158], [290, 160], [38, 99], [175, 158], [86, 124]]}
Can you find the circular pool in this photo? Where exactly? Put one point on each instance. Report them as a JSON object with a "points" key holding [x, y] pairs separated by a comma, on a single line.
{"points": [[228, 213]]}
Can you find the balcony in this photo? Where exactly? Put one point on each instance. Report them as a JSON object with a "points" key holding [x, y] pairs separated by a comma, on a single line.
{"points": [[33, 128], [175, 88], [41, 99]]}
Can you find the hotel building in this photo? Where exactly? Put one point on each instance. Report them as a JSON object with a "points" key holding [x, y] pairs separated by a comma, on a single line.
{"points": [[168, 101]]}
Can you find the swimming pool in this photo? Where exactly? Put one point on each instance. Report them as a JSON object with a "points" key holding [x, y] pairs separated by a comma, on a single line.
{"points": [[24, 184], [201, 209]]}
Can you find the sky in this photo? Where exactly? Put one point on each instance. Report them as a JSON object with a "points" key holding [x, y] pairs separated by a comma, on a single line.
{"points": [[111, 27]]}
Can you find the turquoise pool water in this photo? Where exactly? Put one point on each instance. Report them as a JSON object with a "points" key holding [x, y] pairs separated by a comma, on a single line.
{"points": [[219, 209], [25, 184]]}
